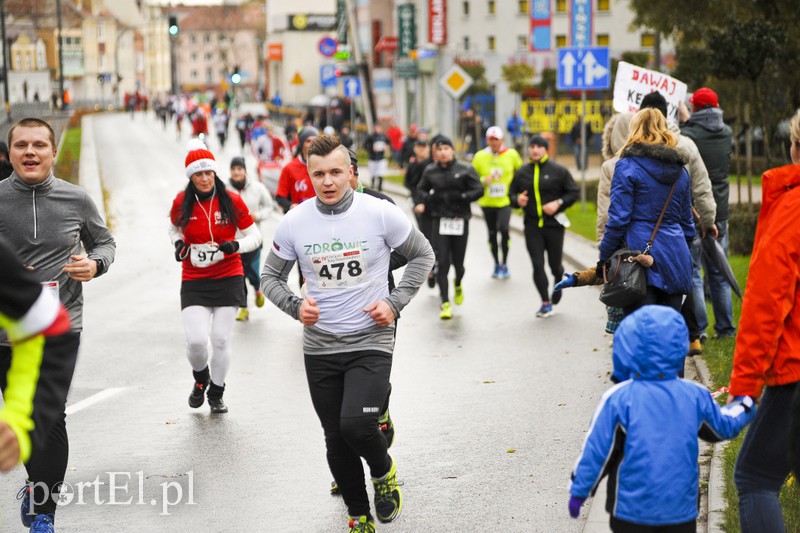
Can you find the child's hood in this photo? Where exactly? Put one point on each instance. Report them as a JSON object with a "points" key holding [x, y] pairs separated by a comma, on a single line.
{"points": [[650, 344]]}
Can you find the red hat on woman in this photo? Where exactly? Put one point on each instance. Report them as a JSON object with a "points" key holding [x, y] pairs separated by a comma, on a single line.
{"points": [[199, 158]]}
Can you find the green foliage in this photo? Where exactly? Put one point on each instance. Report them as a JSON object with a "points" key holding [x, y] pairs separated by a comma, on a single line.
{"points": [[584, 222], [742, 228], [640, 59], [547, 85], [67, 165], [518, 76], [480, 84]]}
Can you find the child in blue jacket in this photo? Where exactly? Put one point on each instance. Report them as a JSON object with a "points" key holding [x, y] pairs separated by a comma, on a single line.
{"points": [[643, 434]]}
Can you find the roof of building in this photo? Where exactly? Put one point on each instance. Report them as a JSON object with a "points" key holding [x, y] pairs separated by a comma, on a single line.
{"points": [[222, 18]]}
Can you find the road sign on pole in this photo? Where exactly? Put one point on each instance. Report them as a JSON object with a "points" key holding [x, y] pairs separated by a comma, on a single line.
{"points": [[327, 76], [583, 69], [352, 87], [455, 81]]}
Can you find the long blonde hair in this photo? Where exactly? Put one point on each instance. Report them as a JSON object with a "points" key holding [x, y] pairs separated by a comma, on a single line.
{"points": [[649, 126], [794, 128]]}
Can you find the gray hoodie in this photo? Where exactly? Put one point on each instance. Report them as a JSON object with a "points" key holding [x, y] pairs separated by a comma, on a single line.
{"points": [[45, 224]]}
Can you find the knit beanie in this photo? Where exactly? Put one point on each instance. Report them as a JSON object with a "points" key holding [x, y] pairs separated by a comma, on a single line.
{"points": [[538, 140], [238, 161], [199, 158], [655, 100]]}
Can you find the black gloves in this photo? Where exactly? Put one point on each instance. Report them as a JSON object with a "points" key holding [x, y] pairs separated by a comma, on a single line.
{"points": [[229, 247], [181, 250], [598, 273]]}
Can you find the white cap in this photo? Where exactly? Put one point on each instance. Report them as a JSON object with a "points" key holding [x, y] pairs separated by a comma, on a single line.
{"points": [[494, 131]]}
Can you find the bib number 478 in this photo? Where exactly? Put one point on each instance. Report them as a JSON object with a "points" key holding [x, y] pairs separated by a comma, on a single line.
{"points": [[353, 270]]}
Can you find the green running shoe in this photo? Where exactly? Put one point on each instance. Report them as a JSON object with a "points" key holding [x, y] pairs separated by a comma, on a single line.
{"points": [[361, 524], [446, 312], [387, 428], [459, 297], [388, 497]]}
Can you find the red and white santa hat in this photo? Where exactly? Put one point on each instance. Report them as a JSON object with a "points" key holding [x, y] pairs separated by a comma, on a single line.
{"points": [[199, 158]]}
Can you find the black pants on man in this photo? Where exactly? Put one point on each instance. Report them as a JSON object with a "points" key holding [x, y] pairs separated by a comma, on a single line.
{"points": [[451, 250], [538, 241], [50, 445], [348, 391], [498, 220]]}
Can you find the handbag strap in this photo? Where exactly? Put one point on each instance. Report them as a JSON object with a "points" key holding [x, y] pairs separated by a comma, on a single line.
{"points": [[660, 218]]}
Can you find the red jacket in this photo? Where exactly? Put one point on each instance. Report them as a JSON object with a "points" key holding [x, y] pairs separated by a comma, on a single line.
{"points": [[294, 183], [768, 343]]}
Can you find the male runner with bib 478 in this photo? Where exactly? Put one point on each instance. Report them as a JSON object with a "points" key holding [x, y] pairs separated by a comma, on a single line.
{"points": [[343, 242]]}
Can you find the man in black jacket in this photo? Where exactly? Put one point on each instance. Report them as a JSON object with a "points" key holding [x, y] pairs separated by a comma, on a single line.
{"points": [[713, 139], [445, 191], [544, 189]]}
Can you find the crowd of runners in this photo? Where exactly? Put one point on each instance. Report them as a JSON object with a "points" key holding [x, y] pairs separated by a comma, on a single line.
{"points": [[347, 239]]}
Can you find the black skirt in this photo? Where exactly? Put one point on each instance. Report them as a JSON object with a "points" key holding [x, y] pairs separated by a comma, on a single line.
{"points": [[223, 292]]}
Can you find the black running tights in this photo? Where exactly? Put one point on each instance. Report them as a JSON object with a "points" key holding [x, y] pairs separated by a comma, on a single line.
{"points": [[538, 240], [498, 220], [348, 390], [452, 250]]}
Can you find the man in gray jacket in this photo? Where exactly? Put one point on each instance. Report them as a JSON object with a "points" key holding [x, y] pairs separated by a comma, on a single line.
{"points": [[46, 220], [713, 139]]}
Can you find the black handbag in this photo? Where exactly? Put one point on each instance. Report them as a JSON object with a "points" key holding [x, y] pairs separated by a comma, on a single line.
{"points": [[624, 278]]}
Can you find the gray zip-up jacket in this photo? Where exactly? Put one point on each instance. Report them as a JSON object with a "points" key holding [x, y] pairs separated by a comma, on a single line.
{"points": [[48, 222]]}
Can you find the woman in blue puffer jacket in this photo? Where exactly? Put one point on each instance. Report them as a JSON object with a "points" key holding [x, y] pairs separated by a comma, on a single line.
{"points": [[648, 167]]}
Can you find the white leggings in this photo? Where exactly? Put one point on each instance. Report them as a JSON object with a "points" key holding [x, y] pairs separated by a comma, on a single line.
{"points": [[196, 322]]}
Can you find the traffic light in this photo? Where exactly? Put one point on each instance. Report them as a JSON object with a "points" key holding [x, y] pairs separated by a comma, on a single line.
{"points": [[236, 78], [173, 25]]}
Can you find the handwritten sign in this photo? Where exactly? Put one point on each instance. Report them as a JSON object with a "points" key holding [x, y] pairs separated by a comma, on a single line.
{"points": [[633, 83]]}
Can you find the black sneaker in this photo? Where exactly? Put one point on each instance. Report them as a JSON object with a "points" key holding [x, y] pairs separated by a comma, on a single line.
{"points": [[388, 497], [215, 399], [431, 279], [201, 380]]}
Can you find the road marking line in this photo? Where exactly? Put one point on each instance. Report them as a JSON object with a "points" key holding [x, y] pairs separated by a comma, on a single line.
{"points": [[93, 399]]}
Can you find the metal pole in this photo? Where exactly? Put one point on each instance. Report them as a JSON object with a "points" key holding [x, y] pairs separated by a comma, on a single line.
{"points": [[582, 120], [5, 57], [363, 69], [60, 53]]}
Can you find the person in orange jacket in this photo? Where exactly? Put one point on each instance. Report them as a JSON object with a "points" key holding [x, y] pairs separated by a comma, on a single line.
{"points": [[766, 362]]}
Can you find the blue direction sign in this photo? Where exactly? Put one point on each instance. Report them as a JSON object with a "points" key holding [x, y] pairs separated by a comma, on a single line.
{"points": [[327, 75], [352, 87], [583, 69]]}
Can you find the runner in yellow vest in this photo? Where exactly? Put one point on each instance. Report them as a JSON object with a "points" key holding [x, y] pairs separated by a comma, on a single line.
{"points": [[496, 165]]}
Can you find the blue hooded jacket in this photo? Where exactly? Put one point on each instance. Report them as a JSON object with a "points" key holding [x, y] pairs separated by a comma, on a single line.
{"points": [[642, 179], [643, 434]]}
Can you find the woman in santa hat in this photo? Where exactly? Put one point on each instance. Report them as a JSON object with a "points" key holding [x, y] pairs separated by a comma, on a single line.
{"points": [[205, 217]]}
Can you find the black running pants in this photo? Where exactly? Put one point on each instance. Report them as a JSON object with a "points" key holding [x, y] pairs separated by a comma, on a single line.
{"points": [[498, 220], [50, 445], [538, 241], [452, 250], [348, 391]]}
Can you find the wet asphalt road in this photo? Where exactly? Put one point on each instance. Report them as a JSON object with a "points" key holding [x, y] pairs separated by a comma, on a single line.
{"points": [[490, 408]]}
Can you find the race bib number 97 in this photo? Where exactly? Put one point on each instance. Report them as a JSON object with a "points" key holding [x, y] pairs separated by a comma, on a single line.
{"points": [[451, 226], [205, 255], [338, 270]]}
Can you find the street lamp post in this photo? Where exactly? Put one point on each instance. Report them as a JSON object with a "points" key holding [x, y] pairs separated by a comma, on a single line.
{"points": [[60, 54], [116, 62], [5, 57]]}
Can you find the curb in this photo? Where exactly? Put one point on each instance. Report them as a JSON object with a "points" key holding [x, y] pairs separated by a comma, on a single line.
{"points": [[716, 497], [89, 173]]}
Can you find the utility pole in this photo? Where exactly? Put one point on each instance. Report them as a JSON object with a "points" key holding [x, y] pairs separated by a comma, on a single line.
{"points": [[5, 57], [363, 67], [60, 54]]}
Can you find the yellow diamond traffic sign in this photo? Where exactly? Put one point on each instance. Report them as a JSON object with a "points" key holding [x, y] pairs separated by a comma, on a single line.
{"points": [[455, 81]]}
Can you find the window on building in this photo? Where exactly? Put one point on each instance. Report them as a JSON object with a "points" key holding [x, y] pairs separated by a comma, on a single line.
{"points": [[648, 40], [193, 39], [522, 42], [206, 38], [466, 8], [490, 42], [466, 42], [561, 6], [27, 62], [603, 5], [491, 7], [209, 56], [209, 75], [194, 57], [561, 41], [523, 7], [603, 39], [223, 73], [18, 61], [223, 56], [194, 75], [101, 32]]}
